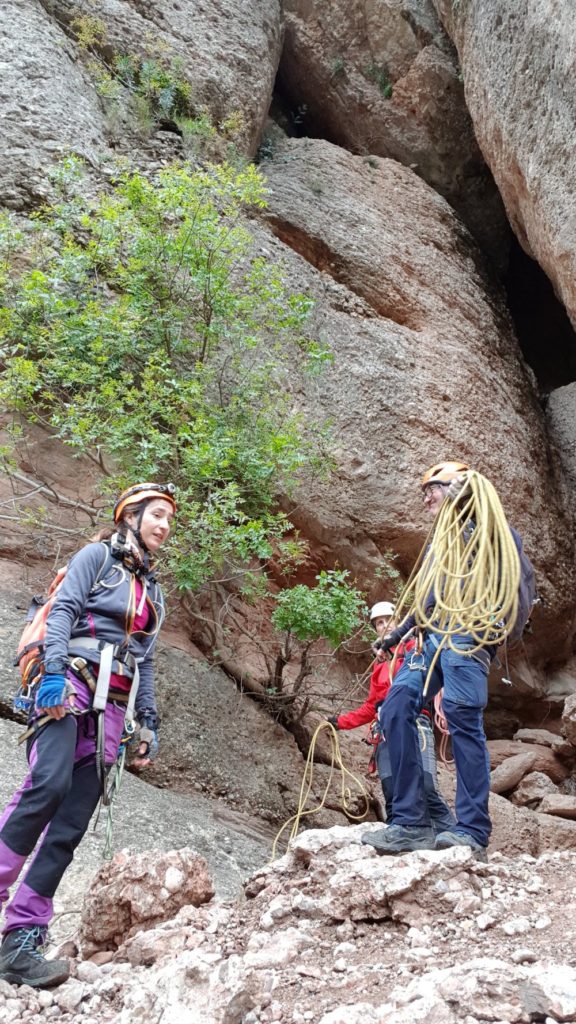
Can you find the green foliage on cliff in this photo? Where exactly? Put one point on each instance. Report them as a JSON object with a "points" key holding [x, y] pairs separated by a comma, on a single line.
{"points": [[332, 609], [150, 86], [146, 329], [379, 75]]}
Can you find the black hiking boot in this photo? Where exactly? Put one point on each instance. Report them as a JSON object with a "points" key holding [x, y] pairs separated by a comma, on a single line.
{"points": [[457, 837], [400, 839], [22, 963]]}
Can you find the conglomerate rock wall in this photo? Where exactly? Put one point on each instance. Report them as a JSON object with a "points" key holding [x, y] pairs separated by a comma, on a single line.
{"points": [[387, 213]]}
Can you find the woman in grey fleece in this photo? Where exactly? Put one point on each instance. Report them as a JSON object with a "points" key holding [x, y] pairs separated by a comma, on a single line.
{"points": [[100, 635]]}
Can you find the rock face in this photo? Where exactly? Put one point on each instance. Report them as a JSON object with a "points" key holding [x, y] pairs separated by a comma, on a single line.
{"points": [[538, 758], [532, 789], [132, 893], [569, 719], [423, 348], [49, 100], [381, 78], [218, 741], [517, 62], [228, 52], [48, 106], [332, 933], [561, 415]]}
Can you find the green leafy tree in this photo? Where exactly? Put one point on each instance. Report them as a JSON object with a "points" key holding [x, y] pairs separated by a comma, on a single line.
{"points": [[146, 330], [333, 610]]}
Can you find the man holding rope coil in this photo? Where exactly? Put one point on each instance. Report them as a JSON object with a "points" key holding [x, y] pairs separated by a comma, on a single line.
{"points": [[471, 589]]}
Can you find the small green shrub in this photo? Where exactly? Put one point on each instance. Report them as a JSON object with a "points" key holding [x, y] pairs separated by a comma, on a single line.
{"points": [[331, 610], [154, 83], [90, 32], [379, 75]]}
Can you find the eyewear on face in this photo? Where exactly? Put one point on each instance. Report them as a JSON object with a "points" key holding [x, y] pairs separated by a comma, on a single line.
{"points": [[429, 489]]}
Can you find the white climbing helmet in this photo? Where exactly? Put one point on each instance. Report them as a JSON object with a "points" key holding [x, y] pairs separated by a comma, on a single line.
{"points": [[381, 609]]}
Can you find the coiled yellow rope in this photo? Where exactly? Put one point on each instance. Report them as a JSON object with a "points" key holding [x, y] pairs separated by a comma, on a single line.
{"points": [[470, 564], [306, 787]]}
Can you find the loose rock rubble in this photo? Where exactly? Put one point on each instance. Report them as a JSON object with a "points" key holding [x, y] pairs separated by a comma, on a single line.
{"points": [[330, 933]]}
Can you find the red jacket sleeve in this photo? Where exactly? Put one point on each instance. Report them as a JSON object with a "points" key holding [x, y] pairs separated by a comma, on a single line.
{"points": [[379, 686]]}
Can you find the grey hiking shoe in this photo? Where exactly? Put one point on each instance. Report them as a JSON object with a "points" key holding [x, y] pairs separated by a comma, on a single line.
{"points": [[400, 839], [22, 963], [444, 840]]}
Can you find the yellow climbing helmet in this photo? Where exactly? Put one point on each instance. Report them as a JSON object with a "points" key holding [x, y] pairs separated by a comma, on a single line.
{"points": [[143, 492], [443, 473]]}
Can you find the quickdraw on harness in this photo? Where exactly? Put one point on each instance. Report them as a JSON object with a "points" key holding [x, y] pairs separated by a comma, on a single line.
{"points": [[372, 739], [110, 655], [111, 658]]}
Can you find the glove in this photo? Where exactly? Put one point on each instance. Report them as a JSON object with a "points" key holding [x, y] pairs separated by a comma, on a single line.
{"points": [[333, 720], [459, 489], [389, 641], [148, 745], [52, 691]]}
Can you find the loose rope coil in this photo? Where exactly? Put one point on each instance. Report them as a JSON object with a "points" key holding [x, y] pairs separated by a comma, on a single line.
{"points": [[336, 762]]}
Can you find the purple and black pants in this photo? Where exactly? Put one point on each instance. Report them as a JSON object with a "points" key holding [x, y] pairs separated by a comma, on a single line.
{"points": [[52, 808]]}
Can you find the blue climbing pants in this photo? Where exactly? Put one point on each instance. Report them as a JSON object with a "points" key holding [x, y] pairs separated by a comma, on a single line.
{"points": [[465, 682]]}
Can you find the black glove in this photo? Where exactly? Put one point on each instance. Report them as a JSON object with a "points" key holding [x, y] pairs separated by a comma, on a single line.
{"points": [[389, 641], [333, 719]]}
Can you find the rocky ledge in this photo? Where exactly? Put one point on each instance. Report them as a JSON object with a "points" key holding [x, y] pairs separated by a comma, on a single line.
{"points": [[330, 933]]}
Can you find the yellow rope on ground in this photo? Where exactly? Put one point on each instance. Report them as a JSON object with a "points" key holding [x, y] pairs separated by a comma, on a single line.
{"points": [[470, 564], [306, 787]]}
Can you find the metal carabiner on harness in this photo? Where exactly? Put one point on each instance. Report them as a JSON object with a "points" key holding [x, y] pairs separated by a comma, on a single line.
{"points": [[24, 698], [417, 662]]}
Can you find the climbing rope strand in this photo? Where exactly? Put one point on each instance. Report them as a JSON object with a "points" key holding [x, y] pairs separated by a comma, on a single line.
{"points": [[470, 566], [336, 763]]}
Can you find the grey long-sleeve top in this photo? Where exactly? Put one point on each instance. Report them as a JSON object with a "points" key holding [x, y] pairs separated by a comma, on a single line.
{"points": [[89, 606]]}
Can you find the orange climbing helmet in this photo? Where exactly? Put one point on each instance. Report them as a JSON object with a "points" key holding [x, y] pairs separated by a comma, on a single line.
{"points": [[143, 492], [443, 473]]}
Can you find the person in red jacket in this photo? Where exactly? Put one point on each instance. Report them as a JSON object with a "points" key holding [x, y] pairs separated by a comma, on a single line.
{"points": [[441, 817]]}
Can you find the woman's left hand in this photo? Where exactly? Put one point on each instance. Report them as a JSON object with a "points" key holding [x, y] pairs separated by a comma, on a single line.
{"points": [[147, 748], [55, 696], [54, 712]]}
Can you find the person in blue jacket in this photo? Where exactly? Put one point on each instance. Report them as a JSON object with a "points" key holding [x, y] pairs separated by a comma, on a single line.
{"points": [[97, 675], [464, 677]]}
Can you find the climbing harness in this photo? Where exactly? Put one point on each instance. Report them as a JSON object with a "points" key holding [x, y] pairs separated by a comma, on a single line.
{"points": [[111, 657], [336, 762]]}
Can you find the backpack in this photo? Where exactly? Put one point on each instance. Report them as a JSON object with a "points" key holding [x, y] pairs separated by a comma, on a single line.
{"points": [[526, 595], [30, 650]]}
